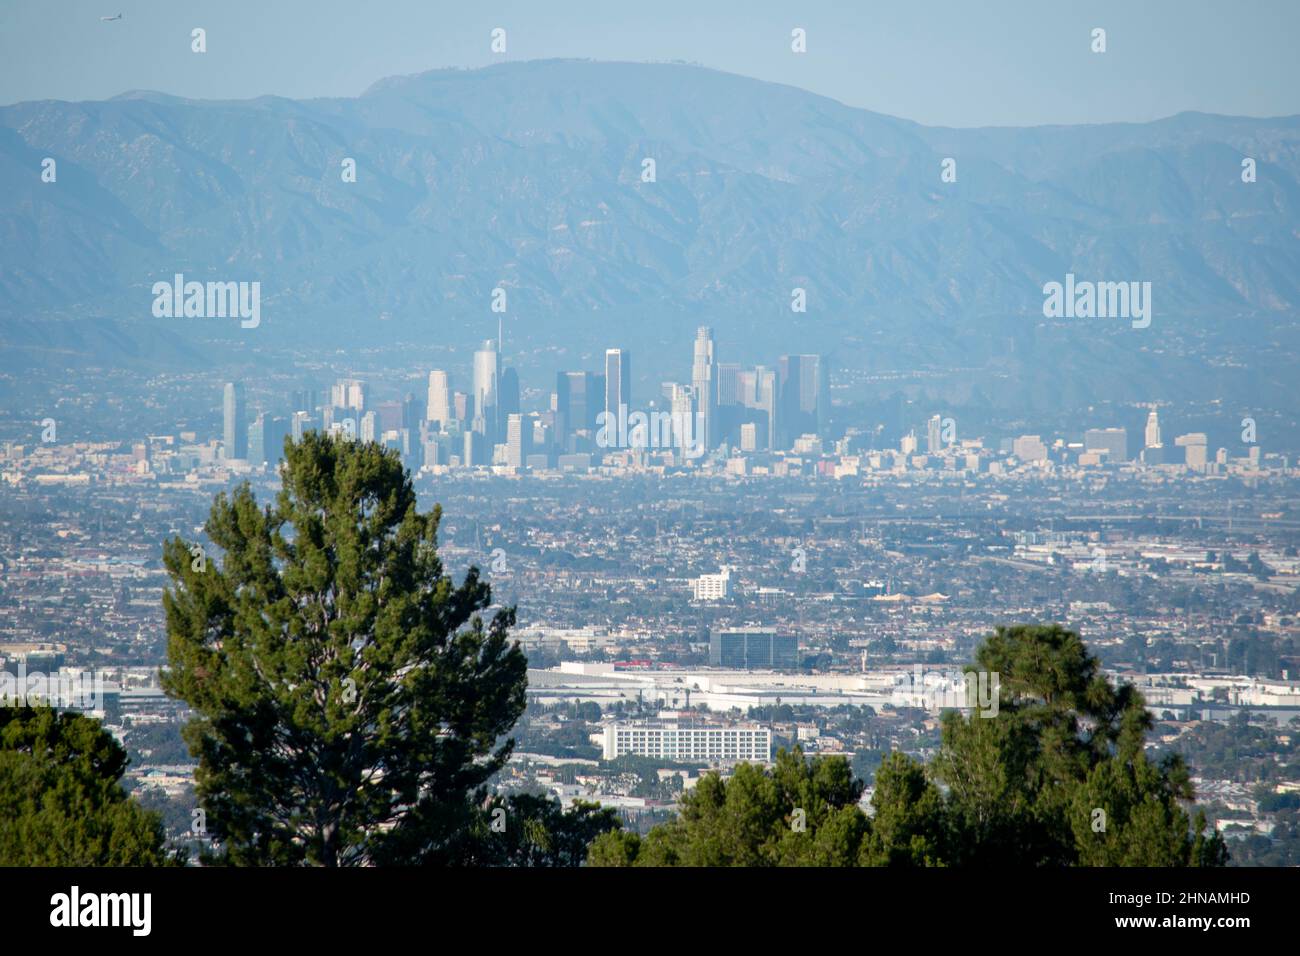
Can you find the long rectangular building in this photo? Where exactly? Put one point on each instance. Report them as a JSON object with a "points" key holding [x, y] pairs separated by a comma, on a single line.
{"points": [[688, 742]]}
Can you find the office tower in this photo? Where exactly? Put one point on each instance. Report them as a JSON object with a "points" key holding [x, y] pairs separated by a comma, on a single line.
{"points": [[618, 381], [413, 412], [907, 446], [728, 405], [519, 444], [765, 398], [1153, 430], [801, 396], [370, 427], [235, 434], [389, 417], [460, 406], [933, 435], [562, 403], [704, 375], [1113, 441], [439, 399], [543, 436], [508, 398], [486, 383], [303, 400], [266, 437], [256, 439], [685, 424], [302, 422], [275, 430], [475, 450], [749, 437], [753, 647], [1194, 446], [350, 393], [579, 398], [728, 383]]}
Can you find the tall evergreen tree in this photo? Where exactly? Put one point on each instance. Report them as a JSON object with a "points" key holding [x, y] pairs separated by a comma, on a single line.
{"points": [[350, 702], [1060, 776], [61, 796]]}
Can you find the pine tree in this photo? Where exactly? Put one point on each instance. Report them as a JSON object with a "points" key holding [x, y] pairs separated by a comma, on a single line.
{"points": [[350, 702], [61, 797], [1060, 776]]}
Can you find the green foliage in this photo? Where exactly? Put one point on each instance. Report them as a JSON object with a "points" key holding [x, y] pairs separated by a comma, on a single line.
{"points": [[535, 830], [1059, 776], [349, 701], [907, 827], [61, 798], [799, 813]]}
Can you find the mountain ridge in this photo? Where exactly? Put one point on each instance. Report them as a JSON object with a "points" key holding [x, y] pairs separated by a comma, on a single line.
{"points": [[527, 176]]}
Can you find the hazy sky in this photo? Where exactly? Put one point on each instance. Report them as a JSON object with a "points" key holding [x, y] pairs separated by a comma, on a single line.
{"points": [[944, 62]]}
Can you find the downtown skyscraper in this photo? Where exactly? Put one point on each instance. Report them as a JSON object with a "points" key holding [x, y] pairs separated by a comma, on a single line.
{"points": [[618, 381], [234, 419], [438, 404], [486, 385], [802, 396], [704, 377]]}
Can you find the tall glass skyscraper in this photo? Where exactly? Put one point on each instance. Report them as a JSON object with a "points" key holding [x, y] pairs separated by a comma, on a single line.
{"points": [[486, 373], [802, 397], [618, 381], [704, 377], [235, 433]]}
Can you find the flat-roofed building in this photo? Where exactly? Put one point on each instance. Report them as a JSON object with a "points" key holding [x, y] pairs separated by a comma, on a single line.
{"points": [[688, 741], [748, 648]]}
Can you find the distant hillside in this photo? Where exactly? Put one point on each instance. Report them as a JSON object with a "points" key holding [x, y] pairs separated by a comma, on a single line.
{"points": [[527, 175]]}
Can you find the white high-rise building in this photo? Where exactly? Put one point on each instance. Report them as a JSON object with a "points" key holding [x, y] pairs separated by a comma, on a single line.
{"points": [[704, 376], [618, 382], [439, 399], [486, 376], [933, 435], [350, 393], [519, 434]]}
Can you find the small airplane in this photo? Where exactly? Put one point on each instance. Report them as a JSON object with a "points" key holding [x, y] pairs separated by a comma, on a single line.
{"points": [[108, 19]]}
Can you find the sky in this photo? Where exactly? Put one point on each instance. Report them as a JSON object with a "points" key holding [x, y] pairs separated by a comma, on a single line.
{"points": [[938, 62]]}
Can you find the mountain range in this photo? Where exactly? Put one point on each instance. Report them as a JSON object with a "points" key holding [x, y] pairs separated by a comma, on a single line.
{"points": [[529, 177]]}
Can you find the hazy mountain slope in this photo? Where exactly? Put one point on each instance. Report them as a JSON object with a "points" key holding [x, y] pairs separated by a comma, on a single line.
{"points": [[528, 175]]}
